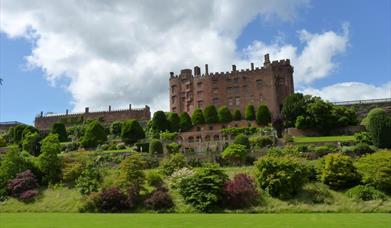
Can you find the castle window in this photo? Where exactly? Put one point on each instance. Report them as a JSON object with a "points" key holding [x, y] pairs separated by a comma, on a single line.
{"points": [[244, 88], [237, 100], [207, 138], [236, 80], [259, 82], [229, 90], [173, 89], [216, 138], [252, 99], [199, 93], [199, 84], [215, 101], [210, 128], [173, 98], [244, 78], [174, 109], [230, 101], [215, 91], [198, 129], [281, 82], [191, 139], [200, 104]]}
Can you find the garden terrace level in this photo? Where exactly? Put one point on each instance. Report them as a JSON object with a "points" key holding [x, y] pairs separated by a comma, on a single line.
{"points": [[268, 84], [44, 122]]}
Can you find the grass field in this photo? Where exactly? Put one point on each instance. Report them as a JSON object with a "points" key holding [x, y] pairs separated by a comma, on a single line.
{"points": [[71, 220], [340, 138]]}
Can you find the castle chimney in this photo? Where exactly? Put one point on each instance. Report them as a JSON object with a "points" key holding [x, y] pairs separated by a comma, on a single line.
{"points": [[41, 114], [197, 70], [66, 112], [267, 60], [130, 106], [233, 67], [87, 110], [171, 74], [206, 69], [252, 66], [109, 108]]}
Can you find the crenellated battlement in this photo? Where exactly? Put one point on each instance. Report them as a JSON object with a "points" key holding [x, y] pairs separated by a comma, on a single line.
{"points": [[197, 72], [45, 121]]}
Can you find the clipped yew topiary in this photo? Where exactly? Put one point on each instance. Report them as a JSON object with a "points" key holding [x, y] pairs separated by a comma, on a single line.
{"points": [[59, 129], [197, 117], [250, 112], [263, 115], [132, 131], [160, 122], [242, 140], [210, 114], [94, 135], [225, 115], [237, 115], [185, 121], [174, 121], [155, 147]]}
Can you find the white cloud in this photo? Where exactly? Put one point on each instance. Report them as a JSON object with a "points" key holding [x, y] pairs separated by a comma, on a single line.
{"points": [[349, 91], [119, 52]]}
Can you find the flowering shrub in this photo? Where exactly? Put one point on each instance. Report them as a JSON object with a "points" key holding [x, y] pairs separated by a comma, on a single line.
{"points": [[28, 195], [111, 200], [240, 192], [23, 182], [159, 200], [179, 175]]}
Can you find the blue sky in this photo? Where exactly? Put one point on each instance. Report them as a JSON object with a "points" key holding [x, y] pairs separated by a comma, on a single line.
{"points": [[61, 76]]}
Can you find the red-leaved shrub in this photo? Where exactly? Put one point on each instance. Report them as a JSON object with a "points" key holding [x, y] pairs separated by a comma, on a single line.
{"points": [[159, 200], [111, 200], [28, 195], [23, 182], [240, 192]]}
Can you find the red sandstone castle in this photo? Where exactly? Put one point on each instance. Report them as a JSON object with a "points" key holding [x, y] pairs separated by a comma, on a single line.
{"points": [[268, 84]]}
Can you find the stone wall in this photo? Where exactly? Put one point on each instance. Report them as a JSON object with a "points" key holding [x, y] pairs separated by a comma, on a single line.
{"points": [[45, 122]]}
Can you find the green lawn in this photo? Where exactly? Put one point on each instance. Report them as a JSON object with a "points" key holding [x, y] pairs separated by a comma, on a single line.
{"points": [[340, 138], [70, 220]]}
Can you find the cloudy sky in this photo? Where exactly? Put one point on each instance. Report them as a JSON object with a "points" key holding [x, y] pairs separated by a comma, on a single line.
{"points": [[70, 54]]}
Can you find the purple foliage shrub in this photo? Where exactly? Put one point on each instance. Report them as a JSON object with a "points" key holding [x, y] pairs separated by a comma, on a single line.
{"points": [[23, 186], [159, 200], [240, 192]]}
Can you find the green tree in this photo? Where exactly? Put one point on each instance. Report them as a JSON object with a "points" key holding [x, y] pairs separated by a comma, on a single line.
{"points": [[185, 121], [293, 106], [250, 113], [155, 147], [172, 163], [160, 122], [236, 153], [174, 121], [116, 128], [48, 161], [242, 140], [132, 131], [372, 112], [321, 115], [210, 114], [89, 180], [197, 117], [237, 115], [225, 115], [379, 128], [59, 129], [31, 143], [94, 135], [263, 115], [132, 171]]}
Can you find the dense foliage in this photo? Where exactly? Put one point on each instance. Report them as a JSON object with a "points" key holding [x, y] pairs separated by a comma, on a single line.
{"points": [[89, 180], [111, 200], [365, 192], [116, 128], [338, 172], [59, 129], [263, 115], [94, 135], [131, 132], [376, 169], [48, 161], [132, 171], [173, 162], [240, 192], [250, 112], [210, 114], [281, 177], [197, 117], [237, 115], [155, 147], [32, 143], [185, 121], [204, 190], [225, 115], [379, 128], [160, 122], [23, 182], [159, 200], [235, 153], [242, 140], [174, 121]]}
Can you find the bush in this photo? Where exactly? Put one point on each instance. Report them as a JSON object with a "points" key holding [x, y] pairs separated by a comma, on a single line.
{"points": [[174, 121], [338, 172], [261, 141], [111, 200], [379, 128], [242, 140], [150, 161], [23, 182], [236, 153], [363, 137], [362, 148], [281, 177], [210, 114], [120, 146], [185, 122], [241, 192], [316, 193], [225, 115], [89, 180], [237, 115], [59, 129], [31, 143], [154, 179], [28, 195], [94, 135], [159, 200], [160, 122], [204, 189], [71, 170], [116, 128], [155, 147], [132, 171], [197, 117], [173, 162], [48, 161], [376, 169], [250, 112], [364, 192], [131, 132], [173, 148], [263, 115], [177, 176]]}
